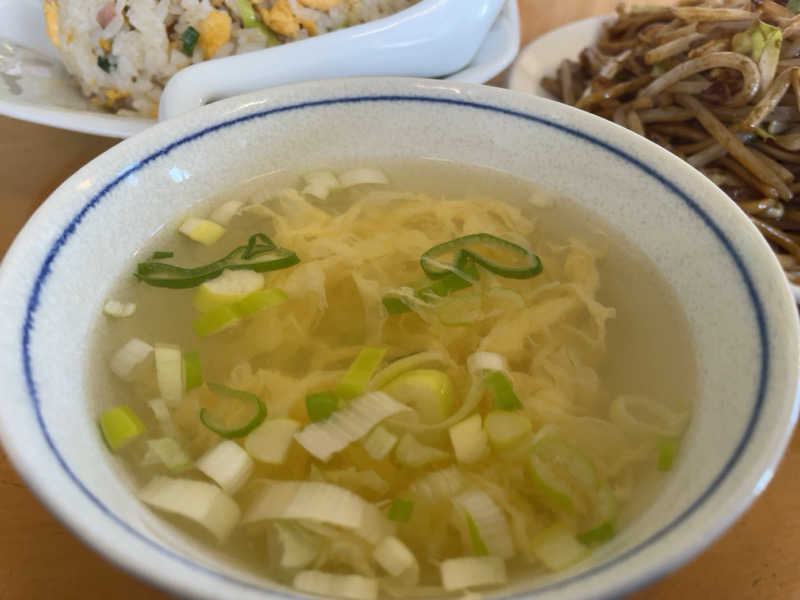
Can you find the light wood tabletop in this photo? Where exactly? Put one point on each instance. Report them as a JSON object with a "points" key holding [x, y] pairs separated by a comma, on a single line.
{"points": [[758, 558]]}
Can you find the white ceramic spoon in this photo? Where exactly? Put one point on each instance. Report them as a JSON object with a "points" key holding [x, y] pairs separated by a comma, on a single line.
{"points": [[430, 39]]}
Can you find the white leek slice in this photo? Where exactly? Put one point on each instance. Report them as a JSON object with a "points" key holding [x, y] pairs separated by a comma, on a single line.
{"points": [[320, 184], [490, 521], [379, 443], [119, 309], [469, 440], [505, 428], [641, 415], [164, 418], [227, 464], [480, 362], [202, 502], [352, 478], [429, 391], [169, 373], [321, 502], [397, 560], [412, 453], [472, 571], [407, 363], [298, 546], [348, 424], [131, 355], [227, 288], [441, 484], [224, 213], [330, 585], [202, 230], [168, 452], [362, 175], [557, 547], [270, 441]]}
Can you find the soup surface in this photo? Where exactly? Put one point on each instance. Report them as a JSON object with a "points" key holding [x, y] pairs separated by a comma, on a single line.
{"points": [[399, 381]]}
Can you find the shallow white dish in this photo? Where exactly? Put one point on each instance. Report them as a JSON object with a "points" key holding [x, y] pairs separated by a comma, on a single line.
{"points": [[543, 55], [743, 320], [35, 87]]}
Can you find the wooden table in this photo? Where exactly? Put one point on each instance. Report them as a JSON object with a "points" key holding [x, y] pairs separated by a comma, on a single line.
{"points": [[759, 558]]}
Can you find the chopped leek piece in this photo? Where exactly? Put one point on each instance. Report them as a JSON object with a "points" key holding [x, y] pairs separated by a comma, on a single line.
{"points": [[169, 373], [299, 547], [321, 405], [355, 381], [329, 585], [229, 287], [495, 254], [202, 230], [478, 545], [459, 310], [557, 547], [159, 254], [429, 391], [189, 40], [216, 320], [558, 470], [487, 525], [504, 428], [129, 357], [164, 418], [227, 464], [396, 559], [168, 452], [362, 175], [472, 571], [469, 439], [320, 184], [379, 443], [120, 426], [667, 449], [400, 510], [439, 485], [459, 277], [410, 452], [259, 254], [119, 310], [192, 370], [407, 363], [200, 501], [395, 305], [224, 213], [247, 14], [601, 533], [499, 386], [500, 300], [348, 424], [260, 300], [270, 441], [319, 502], [478, 363], [234, 432]]}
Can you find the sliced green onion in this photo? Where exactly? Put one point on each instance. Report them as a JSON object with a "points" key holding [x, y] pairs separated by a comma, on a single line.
{"points": [[354, 382], [321, 405], [478, 546], [429, 391], [406, 363], [667, 449], [228, 288], [260, 254], [397, 560], [227, 464], [596, 535], [270, 441], [189, 39], [159, 254], [192, 370], [412, 453], [499, 386], [247, 14], [558, 470], [395, 305], [260, 300], [106, 63], [272, 39], [120, 426], [215, 320], [495, 254], [472, 571], [400, 510], [557, 547], [469, 439], [379, 443], [234, 432], [169, 373], [460, 277], [459, 310], [168, 452], [505, 428]]}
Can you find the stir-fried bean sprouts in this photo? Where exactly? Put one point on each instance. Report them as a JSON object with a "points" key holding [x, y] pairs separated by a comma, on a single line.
{"points": [[716, 82]]}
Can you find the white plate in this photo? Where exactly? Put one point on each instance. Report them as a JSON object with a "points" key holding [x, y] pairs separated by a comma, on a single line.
{"points": [[544, 54], [35, 87]]}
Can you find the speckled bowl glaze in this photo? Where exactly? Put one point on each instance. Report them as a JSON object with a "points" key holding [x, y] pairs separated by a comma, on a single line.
{"points": [[57, 274]]}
